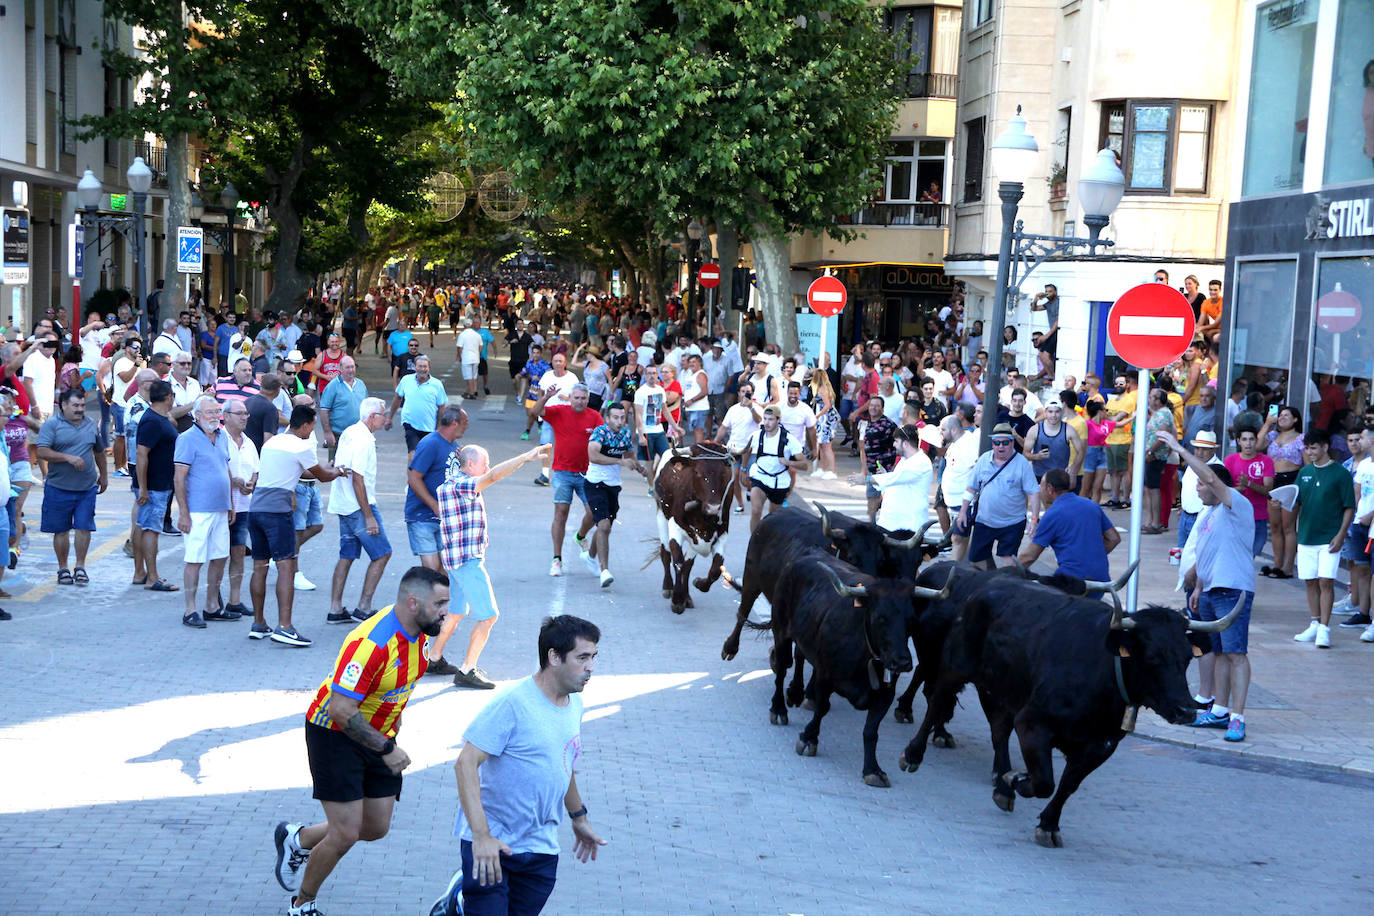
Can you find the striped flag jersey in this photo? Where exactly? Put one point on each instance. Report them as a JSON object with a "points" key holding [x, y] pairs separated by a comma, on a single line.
{"points": [[377, 666]]}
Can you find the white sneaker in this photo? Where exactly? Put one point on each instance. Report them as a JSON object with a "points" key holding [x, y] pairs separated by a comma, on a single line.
{"points": [[290, 857], [606, 578], [1323, 637], [827, 475], [818, 473], [1368, 634], [1308, 634], [556, 568], [590, 562], [1344, 607], [303, 584]]}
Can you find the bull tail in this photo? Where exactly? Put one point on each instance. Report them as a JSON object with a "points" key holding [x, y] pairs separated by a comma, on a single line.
{"points": [[653, 555], [753, 625], [728, 580]]}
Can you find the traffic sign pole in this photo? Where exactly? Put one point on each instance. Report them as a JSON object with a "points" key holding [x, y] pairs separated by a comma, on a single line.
{"points": [[1149, 326]]}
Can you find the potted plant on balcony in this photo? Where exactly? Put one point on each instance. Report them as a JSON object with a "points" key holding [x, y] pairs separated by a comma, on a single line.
{"points": [[1059, 181]]}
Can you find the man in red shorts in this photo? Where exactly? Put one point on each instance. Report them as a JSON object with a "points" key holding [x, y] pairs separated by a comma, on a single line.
{"points": [[350, 735]]}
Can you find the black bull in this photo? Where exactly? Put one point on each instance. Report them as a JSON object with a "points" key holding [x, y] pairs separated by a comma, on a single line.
{"points": [[852, 628], [783, 535], [1064, 673]]}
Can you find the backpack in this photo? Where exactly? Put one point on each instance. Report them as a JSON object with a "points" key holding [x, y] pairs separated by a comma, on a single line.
{"points": [[782, 444]]}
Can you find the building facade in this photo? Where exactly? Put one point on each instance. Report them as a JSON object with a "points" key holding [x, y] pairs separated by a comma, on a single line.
{"points": [[1299, 321], [893, 270], [1154, 82]]}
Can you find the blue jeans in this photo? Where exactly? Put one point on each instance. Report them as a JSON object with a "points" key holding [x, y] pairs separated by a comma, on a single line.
{"points": [[1261, 536], [1214, 604], [307, 514], [656, 444], [566, 483], [527, 880], [423, 537], [1186, 520], [150, 513], [354, 539]]}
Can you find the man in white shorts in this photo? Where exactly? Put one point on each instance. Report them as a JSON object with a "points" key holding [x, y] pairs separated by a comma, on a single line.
{"points": [[204, 509], [1325, 509], [470, 355]]}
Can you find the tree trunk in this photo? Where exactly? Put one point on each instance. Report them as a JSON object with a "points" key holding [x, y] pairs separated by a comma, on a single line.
{"points": [[178, 215], [775, 288], [290, 282], [727, 256]]}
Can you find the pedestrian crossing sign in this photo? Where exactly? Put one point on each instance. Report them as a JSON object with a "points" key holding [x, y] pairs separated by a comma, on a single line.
{"points": [[190, 250]]}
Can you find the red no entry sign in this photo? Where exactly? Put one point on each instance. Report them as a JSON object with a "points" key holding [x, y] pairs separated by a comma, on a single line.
{"points": [[826, 296], [709, 276], [1151, 325], [1338, 311]]}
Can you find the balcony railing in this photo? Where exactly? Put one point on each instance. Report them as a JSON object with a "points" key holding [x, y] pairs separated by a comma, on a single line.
{"points": [[155, 155], [930, 85], [885, 214]]}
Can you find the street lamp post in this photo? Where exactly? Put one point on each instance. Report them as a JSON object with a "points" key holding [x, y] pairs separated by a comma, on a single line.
{"points": [[1099, 190], [89, 190], [229, 199]]}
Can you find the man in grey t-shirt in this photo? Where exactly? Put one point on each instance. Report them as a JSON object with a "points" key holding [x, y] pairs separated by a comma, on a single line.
{"points": [[71, 444], [1004, 485], [1047, 302], [515, 779]]}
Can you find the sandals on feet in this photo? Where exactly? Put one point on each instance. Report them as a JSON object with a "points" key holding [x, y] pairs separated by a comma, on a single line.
{"points": [[64, 577], [162, 585], [79, 574]]}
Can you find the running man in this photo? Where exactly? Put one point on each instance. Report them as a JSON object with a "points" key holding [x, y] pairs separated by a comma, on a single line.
{"points": [[516, 780], [350, 736], [609, 448], [774, 456]]}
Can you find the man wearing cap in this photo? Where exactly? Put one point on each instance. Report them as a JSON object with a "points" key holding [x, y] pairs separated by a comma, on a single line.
{"points": [[1075, 528], [469, 354], [775, 456], [1001, 488], [290, 371]]}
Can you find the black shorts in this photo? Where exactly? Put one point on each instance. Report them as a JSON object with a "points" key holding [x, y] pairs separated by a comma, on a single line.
{"points": [[603, 500], [1281, 478], [1007, 539], [413, 436], [1049, 344], [595, 402], [350, 337], [433, 323], [775, 496], [343, 770], [481, 367], [1154, 473]]}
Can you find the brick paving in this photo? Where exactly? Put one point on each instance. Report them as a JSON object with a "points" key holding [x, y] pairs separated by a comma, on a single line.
{"points": [[147, 763]]}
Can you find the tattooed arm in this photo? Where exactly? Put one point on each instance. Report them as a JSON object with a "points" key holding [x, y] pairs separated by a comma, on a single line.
{"points": [[344, 710]]}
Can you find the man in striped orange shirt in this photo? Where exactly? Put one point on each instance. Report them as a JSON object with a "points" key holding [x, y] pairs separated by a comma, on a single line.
{"points": [[350, 735]]}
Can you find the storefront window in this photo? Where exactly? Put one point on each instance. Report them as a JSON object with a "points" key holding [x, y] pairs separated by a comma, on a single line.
{"points": [[1280, 84], [1342, 343], [1263, 332], [1350, 129]]}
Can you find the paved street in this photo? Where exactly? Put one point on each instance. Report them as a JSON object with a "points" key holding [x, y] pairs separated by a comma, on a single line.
{"points": [[146, 763]]}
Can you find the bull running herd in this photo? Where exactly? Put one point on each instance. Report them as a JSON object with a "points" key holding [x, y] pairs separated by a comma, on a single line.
{"points": [[1046, 655]]}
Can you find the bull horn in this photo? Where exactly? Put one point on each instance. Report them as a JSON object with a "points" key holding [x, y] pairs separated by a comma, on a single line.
{"points": [[825, 523], [848, 591], [1119, 620], [1216, 626], [930, 594], [911, 543], [1096, 587]]}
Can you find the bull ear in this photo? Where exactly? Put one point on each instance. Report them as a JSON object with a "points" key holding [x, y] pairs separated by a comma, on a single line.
{"points": [[1122, 642]]}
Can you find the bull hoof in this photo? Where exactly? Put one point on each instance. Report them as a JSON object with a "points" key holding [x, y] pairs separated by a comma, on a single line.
{"points": [[778, 718], [1004, 799], [943, 740], [794, 698], [907, 766], [903, 715], [690, 602], [806, 748], [1050, 839], [877, 780], [727, 651], [809, 704], [701, 584], [667, 593], [679, 608]]}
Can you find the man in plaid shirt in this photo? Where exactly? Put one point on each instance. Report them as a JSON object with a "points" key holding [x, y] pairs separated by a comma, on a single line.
{"points": [[463, 547]]}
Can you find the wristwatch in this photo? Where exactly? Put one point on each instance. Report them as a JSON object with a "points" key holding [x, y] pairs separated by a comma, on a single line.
{"points": [[388, 747], [580, 812]]}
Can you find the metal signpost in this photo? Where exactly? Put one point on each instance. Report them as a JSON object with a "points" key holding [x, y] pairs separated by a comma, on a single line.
{"points": [[827, 297], [1149, 326]]}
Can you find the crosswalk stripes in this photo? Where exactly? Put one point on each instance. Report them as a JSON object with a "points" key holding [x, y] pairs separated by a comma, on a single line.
{"points": [[495, 403]]}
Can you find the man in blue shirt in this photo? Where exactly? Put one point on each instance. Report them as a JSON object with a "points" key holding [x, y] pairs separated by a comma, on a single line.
{"points": [[399, 339], [340, 402], [419, 398], [433, 457], [1075, 528]]}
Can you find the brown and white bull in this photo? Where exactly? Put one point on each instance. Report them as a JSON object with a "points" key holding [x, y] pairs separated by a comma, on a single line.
{"points": [[692, 497]]}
